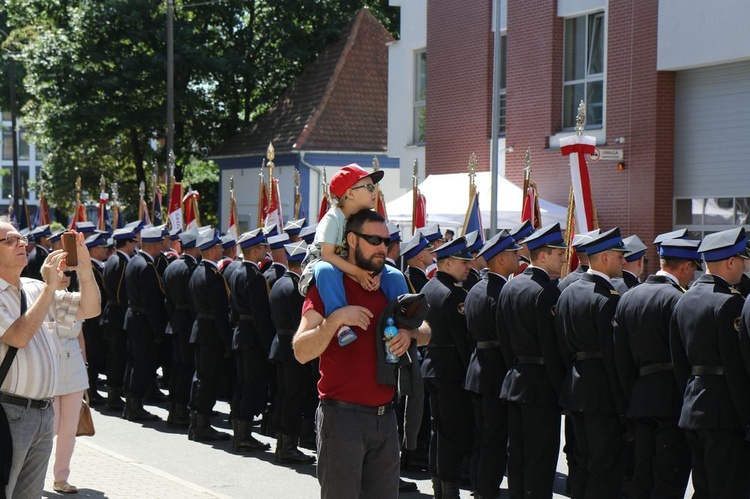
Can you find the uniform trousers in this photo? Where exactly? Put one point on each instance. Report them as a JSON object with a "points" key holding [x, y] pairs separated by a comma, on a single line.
{"points": [[490, 456], [533, 445], [598, 455], [209, 364], [143, 358], [450, 407], [662, 460], [720, 462], [183, 367], [358, 453], [117, 357], [251, 391], [67, 412], [96, 353], [31, 433], [294, 384]]}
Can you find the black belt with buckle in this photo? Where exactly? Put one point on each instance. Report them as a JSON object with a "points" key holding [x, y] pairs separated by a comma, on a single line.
{"points": [[369, 409], [201, 315], [245, 318], [484, 345], [24, 402], [587, 356], [708, 370], [655, 368], [524, 359]]}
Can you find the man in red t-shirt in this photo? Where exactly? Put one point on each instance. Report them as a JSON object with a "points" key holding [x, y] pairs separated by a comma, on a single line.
{"points": [[358, 448]]}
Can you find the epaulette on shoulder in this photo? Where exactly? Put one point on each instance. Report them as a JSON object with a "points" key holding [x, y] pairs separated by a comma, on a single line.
{"points": [[614, 292]]}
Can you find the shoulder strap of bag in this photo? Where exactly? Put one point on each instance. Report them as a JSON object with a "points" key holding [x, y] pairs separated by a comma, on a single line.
{"points": [[11, 354]]}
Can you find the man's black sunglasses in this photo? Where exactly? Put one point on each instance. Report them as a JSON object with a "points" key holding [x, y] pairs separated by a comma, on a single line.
{"points": [[373, 239]]}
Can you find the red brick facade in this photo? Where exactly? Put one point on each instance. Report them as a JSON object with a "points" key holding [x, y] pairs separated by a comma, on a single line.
{"points": [[639, 105]]}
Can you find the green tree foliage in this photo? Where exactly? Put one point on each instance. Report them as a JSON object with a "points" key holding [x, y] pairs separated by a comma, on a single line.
{"points": [[93, 87]]}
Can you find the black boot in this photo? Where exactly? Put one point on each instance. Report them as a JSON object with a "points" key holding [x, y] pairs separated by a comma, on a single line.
{"points": [[154, 395], [244, 439], [114, 402], [204, 432], [450, 490], [94, 398], [289, 453], [437, 488], [180, 416], [136, 412]]}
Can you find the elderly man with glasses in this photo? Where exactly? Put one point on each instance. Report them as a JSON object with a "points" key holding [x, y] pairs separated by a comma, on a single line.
{"points": [[30, 313]]}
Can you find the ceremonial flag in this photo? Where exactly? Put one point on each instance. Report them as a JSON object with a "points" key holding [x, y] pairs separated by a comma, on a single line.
{"points": [[473, 219], [143, 213], [158, 216], [79, 215], [531, 209], [262, 200], [420, 213], [192, 214], [233, 228], [103, 222], [274, 216], [380, 204], [42, 213], [576, 147], [175, 207], [324, 205]]}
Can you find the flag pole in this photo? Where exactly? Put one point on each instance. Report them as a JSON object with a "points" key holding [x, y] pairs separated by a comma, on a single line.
{"points": [[414, 193], [472, 189], [154, 176], [376, 167], [297, 195], [261, 189], [115, 208]]}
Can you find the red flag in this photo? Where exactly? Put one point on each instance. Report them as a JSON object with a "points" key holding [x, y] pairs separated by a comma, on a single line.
{"points": [[192, 216], [323, 207], [380, 205], [78, 216], [420, 213], [101, 223], [262, 203], [175, 207], [274, 216], [233, 228]]}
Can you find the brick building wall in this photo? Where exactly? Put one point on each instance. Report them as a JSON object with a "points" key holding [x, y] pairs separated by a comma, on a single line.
{"points": [[639, 106], [459, 85]]}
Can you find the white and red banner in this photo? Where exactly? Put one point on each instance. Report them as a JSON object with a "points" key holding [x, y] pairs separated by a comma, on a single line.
{"points": [[190, 201], [233, 228], [576, 147], [274, 217], [174, 212]]}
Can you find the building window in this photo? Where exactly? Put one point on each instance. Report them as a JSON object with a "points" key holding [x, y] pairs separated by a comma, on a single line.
{"points": [[503, 90], [23, 146], [702, 216], [583, 69], [420, 92], [7, 181]]}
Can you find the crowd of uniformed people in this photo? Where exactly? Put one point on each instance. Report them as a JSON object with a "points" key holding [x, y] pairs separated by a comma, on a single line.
{"points": [[652, 373]]}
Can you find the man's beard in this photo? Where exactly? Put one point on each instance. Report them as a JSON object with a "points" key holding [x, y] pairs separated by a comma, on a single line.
{"points": [[364, 263]]}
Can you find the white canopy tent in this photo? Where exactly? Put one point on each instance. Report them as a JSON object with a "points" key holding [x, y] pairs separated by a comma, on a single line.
{"points": [[448, 198]]}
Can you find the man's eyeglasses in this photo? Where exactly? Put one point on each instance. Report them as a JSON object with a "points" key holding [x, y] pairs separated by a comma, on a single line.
{"points": [[373, 239], [15, 240], [369, 187]]}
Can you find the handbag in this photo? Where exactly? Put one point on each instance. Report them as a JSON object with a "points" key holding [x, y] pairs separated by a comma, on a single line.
{"points": [[85, 422]]}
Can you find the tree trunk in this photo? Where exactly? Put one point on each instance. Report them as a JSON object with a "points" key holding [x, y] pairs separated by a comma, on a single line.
{"points": [[140, 173]]}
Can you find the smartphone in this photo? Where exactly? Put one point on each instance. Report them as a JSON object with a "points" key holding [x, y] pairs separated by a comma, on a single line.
{"points": [[69, 246]]}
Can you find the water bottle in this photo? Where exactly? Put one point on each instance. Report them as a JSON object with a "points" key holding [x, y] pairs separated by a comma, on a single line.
{"points": [[390, 332]]}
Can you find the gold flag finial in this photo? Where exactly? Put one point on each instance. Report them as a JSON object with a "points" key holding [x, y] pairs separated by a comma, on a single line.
{"points": [[472, 168], [375, 164], [102, 183], [527, 168], [231, 186], [78, 189], [114, 192], [141, 190], [295, 178], [415, 169], [581, 118], [271, 155]]}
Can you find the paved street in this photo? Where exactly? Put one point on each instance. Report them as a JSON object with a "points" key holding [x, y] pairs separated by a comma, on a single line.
{"points": [[127, 460]]}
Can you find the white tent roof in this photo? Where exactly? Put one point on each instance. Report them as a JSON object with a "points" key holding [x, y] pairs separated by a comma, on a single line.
{"points": [[448, 198]]}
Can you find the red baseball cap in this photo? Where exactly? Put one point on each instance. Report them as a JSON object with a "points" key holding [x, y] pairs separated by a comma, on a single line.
{"points": [[350, 175]]}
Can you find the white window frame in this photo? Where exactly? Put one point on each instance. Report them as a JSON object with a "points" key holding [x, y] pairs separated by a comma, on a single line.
{"points": [[588, 77]]}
